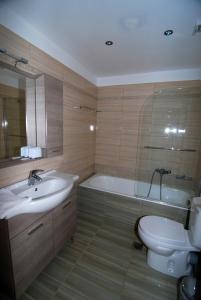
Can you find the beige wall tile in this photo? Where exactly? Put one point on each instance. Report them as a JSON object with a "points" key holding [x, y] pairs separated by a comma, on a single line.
{"points": [[79, 141], [128, 115], [134, 116], [110, 92]]}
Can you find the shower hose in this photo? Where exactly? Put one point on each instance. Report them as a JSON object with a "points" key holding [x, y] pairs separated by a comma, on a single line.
{"points": [[151, 182]]}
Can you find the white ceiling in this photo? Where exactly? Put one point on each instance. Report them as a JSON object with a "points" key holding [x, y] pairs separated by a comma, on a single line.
{"points": [[81, 27]]}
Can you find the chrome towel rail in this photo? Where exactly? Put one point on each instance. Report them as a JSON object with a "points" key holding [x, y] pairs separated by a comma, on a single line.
{"points": [[169, 149]]}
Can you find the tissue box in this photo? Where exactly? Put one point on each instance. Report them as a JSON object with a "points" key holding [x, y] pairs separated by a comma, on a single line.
{"points": [[31, 152], [24, 151], [35, 152]]}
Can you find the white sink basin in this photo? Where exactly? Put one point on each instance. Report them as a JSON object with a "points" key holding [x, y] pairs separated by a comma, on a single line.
{"points": [[44, 189], [43, 196]]}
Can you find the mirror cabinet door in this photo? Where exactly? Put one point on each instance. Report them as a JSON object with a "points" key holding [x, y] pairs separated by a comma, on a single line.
{"points": [[12, 114], [31, 113], [49, 113]]}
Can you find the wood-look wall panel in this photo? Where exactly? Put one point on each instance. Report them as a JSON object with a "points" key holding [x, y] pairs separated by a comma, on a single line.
{"points": [[16, 173], [118, 119], [114, 92], [74, 79], [45, 63], [117, 126], [194, 84], [81, 167], [79, 141], [109, 106], [14, 43], [122, 119], [137, 90], [75, 97]]}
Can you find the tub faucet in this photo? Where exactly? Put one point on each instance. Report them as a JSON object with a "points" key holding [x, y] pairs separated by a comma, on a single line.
{"points": [[163, 171], [33, 177]]}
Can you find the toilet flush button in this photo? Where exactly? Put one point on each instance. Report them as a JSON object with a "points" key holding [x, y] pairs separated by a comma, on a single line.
{"points": [[170, 266]]}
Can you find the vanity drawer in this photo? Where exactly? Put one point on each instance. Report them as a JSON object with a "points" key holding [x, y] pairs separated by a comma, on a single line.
{"points": [[31, 252], [64, 222], [19, 223]]}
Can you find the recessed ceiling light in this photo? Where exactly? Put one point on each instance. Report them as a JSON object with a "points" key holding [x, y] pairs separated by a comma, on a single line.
{"points": [[109, 43], [168, 32]]}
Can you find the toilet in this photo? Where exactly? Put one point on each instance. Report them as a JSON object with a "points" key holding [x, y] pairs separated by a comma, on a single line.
{"points": [[169, 244]]}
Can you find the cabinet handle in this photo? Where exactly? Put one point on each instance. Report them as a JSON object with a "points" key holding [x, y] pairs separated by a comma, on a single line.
{"points": [[35, 229], [66, 204]]}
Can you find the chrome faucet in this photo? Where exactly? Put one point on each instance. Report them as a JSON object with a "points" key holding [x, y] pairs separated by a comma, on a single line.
{"points": [[33, 177], [163, 171]]}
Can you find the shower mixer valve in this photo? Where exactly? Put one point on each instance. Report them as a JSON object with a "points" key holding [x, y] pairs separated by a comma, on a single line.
{"points": [[163, 171]]}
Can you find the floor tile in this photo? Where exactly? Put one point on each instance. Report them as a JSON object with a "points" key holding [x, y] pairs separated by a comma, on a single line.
{"points": [[92, 284], [105, 268], [59, 269], [67, 293], [101, 264], [26, 297], [145, 283]]}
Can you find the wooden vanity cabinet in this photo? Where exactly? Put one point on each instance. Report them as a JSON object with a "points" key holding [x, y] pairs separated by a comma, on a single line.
{"points": [[31, 251], [64, 222], [30, 241]]}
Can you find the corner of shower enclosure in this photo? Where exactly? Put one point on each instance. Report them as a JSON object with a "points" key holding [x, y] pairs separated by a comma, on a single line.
{"points": [[169, 140]]}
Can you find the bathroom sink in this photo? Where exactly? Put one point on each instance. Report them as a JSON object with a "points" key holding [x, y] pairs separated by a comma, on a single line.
{"points": [[44, 189], [43, 196]]}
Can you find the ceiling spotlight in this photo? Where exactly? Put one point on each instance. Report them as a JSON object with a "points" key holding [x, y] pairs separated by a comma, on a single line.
{"points": [[109, 43], [168, 32]]}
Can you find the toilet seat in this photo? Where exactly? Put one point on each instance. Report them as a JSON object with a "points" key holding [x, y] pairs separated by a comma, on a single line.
{"points": [[163, 229], [165, 232]]}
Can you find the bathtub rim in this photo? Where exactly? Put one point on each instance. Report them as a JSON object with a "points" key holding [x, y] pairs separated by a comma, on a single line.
{"points": [[137, 197]]}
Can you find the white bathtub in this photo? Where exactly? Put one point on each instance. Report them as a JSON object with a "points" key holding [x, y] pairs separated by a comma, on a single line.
{"points": [[138, 189]]}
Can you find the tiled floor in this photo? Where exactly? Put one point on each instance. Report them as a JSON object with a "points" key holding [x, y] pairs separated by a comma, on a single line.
{"points": [[101, 264]]}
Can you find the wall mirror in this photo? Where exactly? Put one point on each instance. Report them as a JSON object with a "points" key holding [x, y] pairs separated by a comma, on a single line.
{"points": [[31, 113], [17, 102]]}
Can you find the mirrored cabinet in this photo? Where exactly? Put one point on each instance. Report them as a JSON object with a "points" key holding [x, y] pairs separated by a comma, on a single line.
{"points": [[49, 115], [12, 113], [31, 113]]}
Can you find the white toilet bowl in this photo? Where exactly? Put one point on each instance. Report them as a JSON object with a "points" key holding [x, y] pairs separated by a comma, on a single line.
{"points": [[168, 245]]}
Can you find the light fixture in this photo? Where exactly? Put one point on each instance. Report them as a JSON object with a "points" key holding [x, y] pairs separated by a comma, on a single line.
{"points": [[169, 130], [16, 58], [168, 32], [109, 43], [181, 130], [91, 127], [4, 124]]}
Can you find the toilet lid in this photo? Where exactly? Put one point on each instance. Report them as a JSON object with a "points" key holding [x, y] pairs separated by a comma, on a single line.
{"points": [[163, 229]]}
